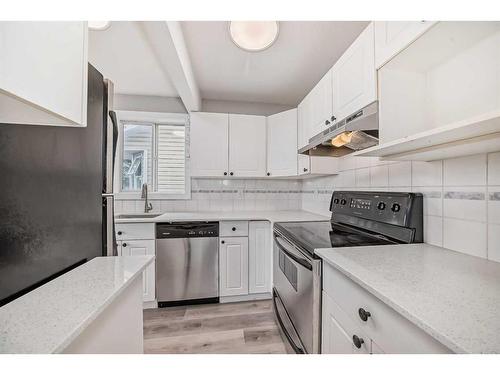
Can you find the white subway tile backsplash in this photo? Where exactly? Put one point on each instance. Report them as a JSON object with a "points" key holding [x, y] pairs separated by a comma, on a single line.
{"points": [[363, 162], [433, 230], [427, 173], [465, 203], [494, 242], [379, 176], [400, 174], [468, 237], [465, 171], [362, 177], [347, 178], [494, 169], [128, 207]]}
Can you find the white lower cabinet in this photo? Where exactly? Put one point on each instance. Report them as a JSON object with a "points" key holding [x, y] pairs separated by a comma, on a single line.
{"points": [[245, 260], [233, 266], [142, 247], [139, 239], [339, 334], [352, 313], [259, 257]]}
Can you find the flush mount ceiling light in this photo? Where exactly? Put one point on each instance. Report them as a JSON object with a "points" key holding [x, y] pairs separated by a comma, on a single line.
{"points": [[99, 25], [253, 36]]}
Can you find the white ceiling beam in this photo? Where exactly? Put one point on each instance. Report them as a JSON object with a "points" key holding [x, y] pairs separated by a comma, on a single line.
{"points": [[167, 41]]}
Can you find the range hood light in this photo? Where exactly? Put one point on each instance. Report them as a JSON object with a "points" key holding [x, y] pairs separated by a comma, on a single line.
{"points": [[342, 139]]}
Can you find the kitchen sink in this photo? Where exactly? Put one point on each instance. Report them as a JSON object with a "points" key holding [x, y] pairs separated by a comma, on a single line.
{"points": [[137, 216]]}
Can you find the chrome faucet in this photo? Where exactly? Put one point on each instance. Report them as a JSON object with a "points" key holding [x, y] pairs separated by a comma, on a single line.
{"points": [[144, 195]]}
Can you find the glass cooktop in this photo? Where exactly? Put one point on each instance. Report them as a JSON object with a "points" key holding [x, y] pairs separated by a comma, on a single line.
{"points": [[310, 235]]}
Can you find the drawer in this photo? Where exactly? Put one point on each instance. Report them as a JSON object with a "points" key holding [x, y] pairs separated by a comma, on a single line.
{"points": [[135, 231], [233, 229], [391, 331], [338, 331]]}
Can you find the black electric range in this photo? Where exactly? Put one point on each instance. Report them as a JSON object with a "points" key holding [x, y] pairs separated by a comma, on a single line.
{"points": [[358, 219]]}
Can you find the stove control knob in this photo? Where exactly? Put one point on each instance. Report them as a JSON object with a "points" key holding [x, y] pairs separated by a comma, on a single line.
{"points": [[336, 201], [395, 207], [343, 201], [381, 205]]}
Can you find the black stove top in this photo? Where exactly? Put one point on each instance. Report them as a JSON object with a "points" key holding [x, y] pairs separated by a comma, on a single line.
{"points": [[310, 235]]}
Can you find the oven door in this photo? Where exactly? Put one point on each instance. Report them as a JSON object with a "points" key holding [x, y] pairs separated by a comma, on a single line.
{"points": [[297, 295]]}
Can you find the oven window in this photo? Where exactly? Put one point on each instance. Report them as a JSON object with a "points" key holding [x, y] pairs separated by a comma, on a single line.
{"points": [[288, 268]]}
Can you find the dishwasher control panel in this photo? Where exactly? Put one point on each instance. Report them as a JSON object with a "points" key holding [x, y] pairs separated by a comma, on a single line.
{"points": [[187, 229]]}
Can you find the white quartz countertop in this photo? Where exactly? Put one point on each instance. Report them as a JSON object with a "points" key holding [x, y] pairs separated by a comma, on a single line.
{"points": [[272, 216], [454, 297], [49, 318]]}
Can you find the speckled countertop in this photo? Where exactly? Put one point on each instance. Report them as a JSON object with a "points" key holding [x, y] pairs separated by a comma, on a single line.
{"points": [[454, 297], [50, 317], [272, 216]]}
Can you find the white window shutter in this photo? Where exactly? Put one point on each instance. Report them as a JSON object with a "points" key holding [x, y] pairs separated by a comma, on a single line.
{"points": [[171, 159]]}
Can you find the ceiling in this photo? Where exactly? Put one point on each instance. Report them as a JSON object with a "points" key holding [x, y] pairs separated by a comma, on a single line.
{"points": [[122, 54], [282, 74]]}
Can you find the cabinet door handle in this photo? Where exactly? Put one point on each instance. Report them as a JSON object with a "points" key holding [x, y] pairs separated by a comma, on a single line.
{"points": [[357, 341], [124, 245], [327, 122], [333, 118], [231, 173], [268, 173], [120, 233], [233, 229], [363, 314], [305, 169], [225, 173], [223, 242]]}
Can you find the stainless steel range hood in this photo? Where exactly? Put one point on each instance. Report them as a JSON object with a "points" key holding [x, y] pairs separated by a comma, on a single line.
{"points": [[356, 132]]}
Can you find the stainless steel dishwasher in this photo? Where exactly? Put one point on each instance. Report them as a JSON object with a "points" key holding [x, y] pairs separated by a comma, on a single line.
{"points": [[187, 263]]}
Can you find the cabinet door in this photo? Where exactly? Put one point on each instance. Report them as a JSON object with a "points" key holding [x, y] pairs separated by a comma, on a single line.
{"points": [[247, 146], [259, 257], [354, 82], [142, 247], [209, 135], [338, 331], [233, 267], [322, 105], [376, 349], [304, 165], [282, 144], [304, 120], [43, 73], [391, 37]]}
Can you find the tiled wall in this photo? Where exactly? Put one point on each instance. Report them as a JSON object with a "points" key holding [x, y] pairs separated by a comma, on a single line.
{"points": [[227, 195], [461, 196]]}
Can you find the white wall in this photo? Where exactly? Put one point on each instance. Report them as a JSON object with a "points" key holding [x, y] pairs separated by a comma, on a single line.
{"points": [[245, 108], [461, 196], [147, 103]]}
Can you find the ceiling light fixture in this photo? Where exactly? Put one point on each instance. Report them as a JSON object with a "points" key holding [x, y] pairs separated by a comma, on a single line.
{"points": [[99, 25], [253, 36]]}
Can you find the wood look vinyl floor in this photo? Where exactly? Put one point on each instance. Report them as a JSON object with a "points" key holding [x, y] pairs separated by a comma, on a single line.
{"points": [[224, 328]]}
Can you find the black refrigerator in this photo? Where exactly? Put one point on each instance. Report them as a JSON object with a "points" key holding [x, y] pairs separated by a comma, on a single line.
{"points": [[56, 201]]}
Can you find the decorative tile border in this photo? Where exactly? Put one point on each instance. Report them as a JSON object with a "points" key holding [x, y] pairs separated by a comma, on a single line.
{"points": [[495, 196], [467, 195]]}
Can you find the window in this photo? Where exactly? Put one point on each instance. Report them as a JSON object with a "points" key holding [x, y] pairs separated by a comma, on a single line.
{"points": [[153, 153]]}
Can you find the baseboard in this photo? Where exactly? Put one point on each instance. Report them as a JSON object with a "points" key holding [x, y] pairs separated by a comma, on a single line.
{"points": [[149, 305], [246, 297]]}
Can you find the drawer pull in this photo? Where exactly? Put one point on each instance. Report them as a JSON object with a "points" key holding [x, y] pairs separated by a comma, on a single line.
{"points": [[357, 341], [363, 314], [124, 245], [233, 229], [120, 233]]}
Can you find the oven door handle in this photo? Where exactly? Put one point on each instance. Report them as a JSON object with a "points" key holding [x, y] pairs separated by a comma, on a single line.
{"points": [[297, 349], [302, 261]]}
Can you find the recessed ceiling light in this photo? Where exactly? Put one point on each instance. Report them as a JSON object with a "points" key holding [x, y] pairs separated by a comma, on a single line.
{"points": [[99, 25], [253, 36]]}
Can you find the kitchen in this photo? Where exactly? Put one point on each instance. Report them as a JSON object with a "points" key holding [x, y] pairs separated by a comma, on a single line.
{"points": [[172, 187]]}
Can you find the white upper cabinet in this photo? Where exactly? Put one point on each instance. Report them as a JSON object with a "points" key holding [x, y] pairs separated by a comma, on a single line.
{"points": [[43, 73], [282, 144], [247, 146], [304, 121], [321, 106], [209, 144], [391, 37], [354, 79]]}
